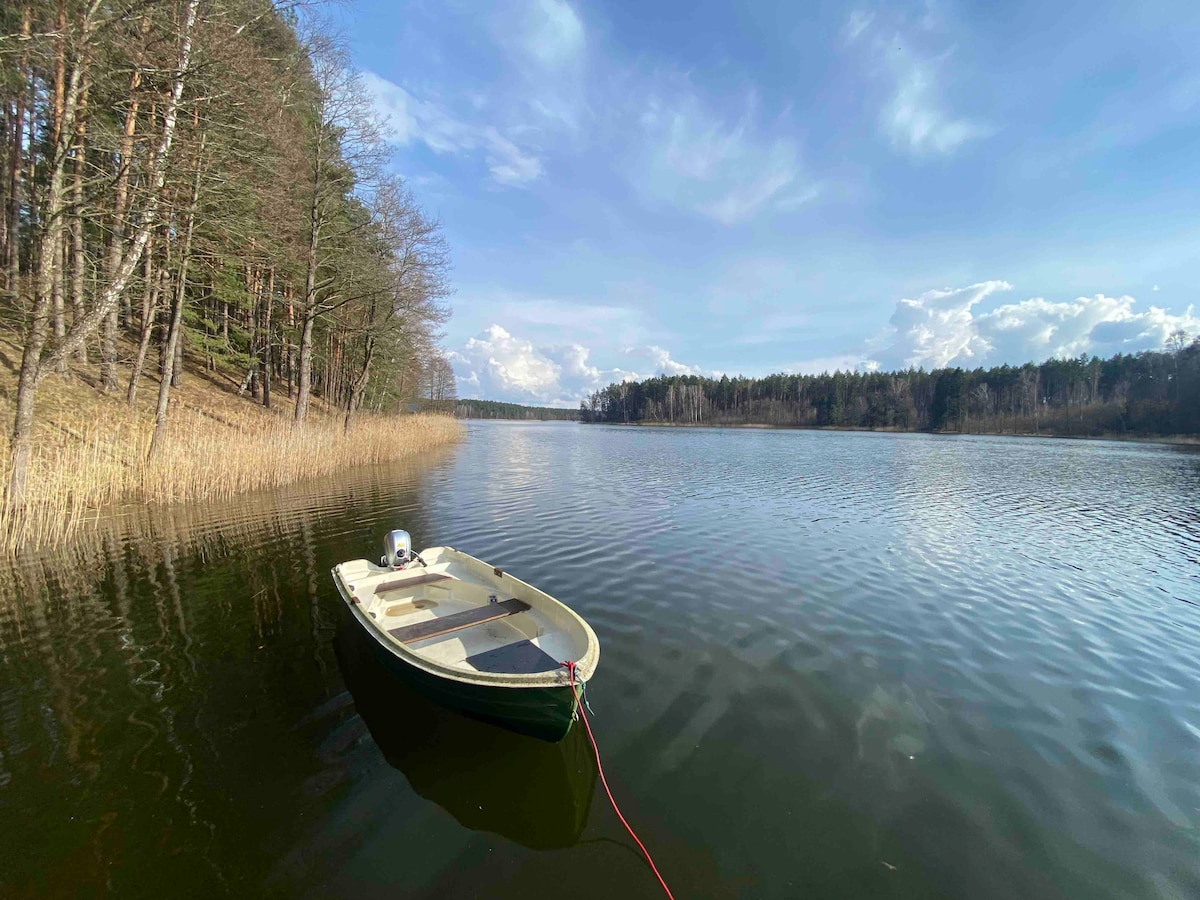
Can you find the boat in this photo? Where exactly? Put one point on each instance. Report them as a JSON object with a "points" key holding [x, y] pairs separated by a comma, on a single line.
{"points": [[471, 636]]}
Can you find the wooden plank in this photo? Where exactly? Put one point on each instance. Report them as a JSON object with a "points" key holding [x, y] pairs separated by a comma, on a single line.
{"points": [[521, 658], [427, 578], [457, 621]]}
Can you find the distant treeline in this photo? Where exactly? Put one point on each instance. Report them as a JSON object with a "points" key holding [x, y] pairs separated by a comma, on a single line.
{"points": [[492, 409], [1146, 393]]}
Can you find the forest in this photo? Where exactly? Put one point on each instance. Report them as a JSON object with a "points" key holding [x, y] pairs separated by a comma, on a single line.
{"points": [[203, 187], [494, 409], [1148, 393]]}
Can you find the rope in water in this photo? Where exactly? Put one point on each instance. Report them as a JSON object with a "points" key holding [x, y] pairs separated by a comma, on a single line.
{"points": [[604, 781]]}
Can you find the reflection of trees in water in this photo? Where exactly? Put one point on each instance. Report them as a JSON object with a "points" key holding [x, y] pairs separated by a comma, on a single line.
{"points": [[135, 666]]}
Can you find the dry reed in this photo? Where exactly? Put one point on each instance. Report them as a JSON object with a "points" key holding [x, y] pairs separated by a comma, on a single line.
{"points": [[86, 461]]}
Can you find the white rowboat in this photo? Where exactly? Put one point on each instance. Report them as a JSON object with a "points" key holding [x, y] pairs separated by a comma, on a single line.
{"points": [[472, 636]]}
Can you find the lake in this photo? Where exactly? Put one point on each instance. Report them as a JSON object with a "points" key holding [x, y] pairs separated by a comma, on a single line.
{"points": [[833, 665]]}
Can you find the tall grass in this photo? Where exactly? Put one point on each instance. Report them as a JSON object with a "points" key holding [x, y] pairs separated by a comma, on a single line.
{"points": [[85, 462]]}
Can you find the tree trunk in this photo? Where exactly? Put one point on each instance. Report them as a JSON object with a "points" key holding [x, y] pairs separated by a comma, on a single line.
{"points": [[78, 261], [269, 300], [47, 268], [56, 299], [305, 367], [288, 351], [149, 308], [8, 147], [177, 363], [56, 118], [12, 263], [111, 294], [254, 281], [108, 338], [310, 285], [360, 383], [173, 335]]}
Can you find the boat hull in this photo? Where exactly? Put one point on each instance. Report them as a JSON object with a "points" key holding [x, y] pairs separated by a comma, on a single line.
{"points": [[454, 760], [546, 713]]}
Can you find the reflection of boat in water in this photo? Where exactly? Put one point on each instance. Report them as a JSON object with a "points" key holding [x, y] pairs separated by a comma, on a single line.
{"points": [[490, 779], [472, 636]]}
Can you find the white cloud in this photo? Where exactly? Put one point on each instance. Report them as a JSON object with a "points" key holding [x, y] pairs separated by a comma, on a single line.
{"points": [[937, 327], [508, 163], [725, 170], [503, 365], [915, 119], [409, 120], [1039, 328], [496, 365], [659, 362], [545, 41], [554, 35], [858, 22], [942, 328], [1155, 289]]}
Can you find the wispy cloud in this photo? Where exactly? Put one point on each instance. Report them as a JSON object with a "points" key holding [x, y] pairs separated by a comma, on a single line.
{"points": [[411, 120], [859, 21], [727, 170], [554, 34], [915, 117], [545, 42]]}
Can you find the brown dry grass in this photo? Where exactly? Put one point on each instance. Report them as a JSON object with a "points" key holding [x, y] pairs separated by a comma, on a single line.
{"points": [[90, 449]]}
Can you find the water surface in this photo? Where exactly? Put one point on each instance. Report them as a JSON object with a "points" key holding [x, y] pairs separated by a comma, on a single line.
{"points": [[834, 665]]}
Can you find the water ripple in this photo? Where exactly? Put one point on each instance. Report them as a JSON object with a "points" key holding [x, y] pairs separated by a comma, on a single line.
{"points": [[844, 664]]}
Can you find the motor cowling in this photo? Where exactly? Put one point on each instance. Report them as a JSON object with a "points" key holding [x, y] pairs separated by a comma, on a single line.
{"points": [[397, 549]]}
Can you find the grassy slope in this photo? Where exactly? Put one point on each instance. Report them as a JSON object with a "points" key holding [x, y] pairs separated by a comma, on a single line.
{"points": [[90, 448]]}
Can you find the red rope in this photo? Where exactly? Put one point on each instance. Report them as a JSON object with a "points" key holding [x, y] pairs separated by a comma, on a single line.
{"points": [[604, 781]]}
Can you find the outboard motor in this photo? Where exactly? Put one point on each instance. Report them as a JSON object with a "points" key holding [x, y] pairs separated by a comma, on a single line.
{"points": [[397, 549]]}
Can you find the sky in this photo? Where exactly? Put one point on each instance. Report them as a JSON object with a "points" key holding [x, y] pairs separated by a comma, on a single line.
{"points": [[634, 188]]}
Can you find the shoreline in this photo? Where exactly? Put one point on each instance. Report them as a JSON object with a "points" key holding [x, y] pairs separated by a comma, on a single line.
{"points": [[89, 453], [1174, 440]]}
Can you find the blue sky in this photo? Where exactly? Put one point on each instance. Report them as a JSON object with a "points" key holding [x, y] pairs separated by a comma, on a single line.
{"points": [[632, 188]]}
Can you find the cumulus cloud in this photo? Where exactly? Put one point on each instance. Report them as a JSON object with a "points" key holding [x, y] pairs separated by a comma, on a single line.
{"points": [[659, 361], [942, 328], [938, 327], [409, 120], [497, 365], [726, 170]]}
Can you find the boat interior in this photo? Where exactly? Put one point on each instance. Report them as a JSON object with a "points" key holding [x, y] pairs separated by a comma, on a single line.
{"points": [[450, 615]]}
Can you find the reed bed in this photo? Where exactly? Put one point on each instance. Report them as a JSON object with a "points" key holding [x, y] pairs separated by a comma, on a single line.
{"points": [[97, 457]]}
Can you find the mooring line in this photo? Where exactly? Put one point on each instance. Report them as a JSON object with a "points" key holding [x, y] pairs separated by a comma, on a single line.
{"points": [[604, 781]]}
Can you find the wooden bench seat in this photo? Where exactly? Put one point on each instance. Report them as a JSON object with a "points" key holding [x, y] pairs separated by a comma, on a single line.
{"points": [[409, 634]]}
